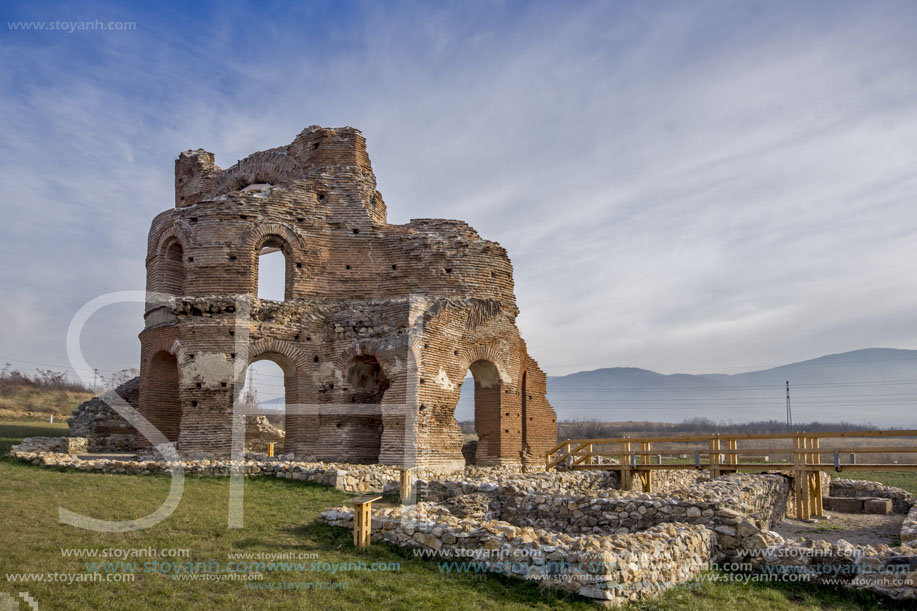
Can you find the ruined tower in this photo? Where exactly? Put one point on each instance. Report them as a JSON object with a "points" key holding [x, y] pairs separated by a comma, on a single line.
{"points": [[378, 327]]}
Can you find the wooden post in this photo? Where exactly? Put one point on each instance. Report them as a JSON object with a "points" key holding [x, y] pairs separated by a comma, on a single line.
{"points": [[818, 503], [407, 485], [591, 459], [714, 457], [800, 478], [626, 481], [270, 449], [647, 475], [362, 519]]}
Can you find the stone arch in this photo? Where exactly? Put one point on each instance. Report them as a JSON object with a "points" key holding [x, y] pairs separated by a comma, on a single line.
{"points": [[469, 354], [259, 232], [295, 357], [276, 236], [177, 230]]}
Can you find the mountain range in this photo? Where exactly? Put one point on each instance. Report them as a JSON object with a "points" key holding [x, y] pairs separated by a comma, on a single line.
{"points": [[875, 385]]}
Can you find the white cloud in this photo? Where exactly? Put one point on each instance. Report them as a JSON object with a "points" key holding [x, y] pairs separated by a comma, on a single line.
{"points": [[694, 187]]}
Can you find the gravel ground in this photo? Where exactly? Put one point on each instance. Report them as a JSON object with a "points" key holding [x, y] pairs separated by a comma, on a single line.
{"points": [[864, 529]]}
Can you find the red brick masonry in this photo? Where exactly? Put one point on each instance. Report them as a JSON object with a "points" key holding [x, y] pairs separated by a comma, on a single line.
{"points": [[379, 325]]}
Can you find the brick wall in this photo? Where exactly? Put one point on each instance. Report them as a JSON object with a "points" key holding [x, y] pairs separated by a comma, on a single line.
{"points": [[426, 301]]}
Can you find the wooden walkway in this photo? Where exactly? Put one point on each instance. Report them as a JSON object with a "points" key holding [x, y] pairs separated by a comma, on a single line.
{"points": [[721, 453]]}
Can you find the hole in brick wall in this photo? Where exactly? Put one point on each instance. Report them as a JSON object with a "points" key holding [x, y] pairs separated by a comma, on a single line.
{"points": [[232, 355], [315, 145], [478, 412], [422, 380], [193, 219], [232, 331], [448, 270], [308, 338], [507, 413], [493, 274], [198, 384], [338, 425], [299, 266], [190, 259], [232, 257], [244, 217], [455, 352], [315, 359], [331, 386], [394, 266], [190, 357], [356, 231], [426, 346], [295, 337], [272, 270], [346, 267], [222, 384], [321, 196], [182, 198], [263, 391], [194, 404], [300, 219], [423, 407]]}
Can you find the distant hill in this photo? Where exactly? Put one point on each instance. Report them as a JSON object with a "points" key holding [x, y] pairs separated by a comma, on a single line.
{"points": [[877, 385]]}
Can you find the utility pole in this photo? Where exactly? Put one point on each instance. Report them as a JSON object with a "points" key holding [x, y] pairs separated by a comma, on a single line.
{"points": [[789, 410]]}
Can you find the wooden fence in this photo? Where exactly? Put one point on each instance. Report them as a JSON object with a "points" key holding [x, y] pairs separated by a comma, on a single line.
{"points": [[720, 453]]}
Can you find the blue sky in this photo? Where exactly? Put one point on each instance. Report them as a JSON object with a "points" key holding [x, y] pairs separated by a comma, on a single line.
{"points": [[694, 187]]}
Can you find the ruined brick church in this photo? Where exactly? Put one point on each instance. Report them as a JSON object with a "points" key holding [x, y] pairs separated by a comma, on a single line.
{"points": [[378, 327]]}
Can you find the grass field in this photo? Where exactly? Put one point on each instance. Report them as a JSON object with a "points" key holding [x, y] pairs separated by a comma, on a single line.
{"points": [[280, 517], [21, 402]]}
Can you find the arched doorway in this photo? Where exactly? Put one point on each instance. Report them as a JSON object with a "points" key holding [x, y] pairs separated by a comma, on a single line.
{"points": [[262, 399], [159, 395], [366, 386], [486, 385]]}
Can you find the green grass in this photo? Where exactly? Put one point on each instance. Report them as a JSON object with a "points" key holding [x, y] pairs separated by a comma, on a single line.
{"points": [[280, 517]]}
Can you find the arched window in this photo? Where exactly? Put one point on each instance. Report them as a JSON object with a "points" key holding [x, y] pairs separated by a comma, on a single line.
{"points": [[172, 279], [272, 272]]}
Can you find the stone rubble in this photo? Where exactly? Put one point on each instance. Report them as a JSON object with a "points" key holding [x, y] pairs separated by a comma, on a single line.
{"points": [[573, 530]]}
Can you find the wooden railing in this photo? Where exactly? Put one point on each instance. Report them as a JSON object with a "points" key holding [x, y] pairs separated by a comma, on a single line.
{"points": [[720, 454]]}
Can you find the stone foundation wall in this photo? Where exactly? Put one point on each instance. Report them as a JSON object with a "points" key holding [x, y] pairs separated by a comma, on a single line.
{"points": [[902, 500], [48, 452], [65, 446], [909, 527], [102, 426], [608, 569]]}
